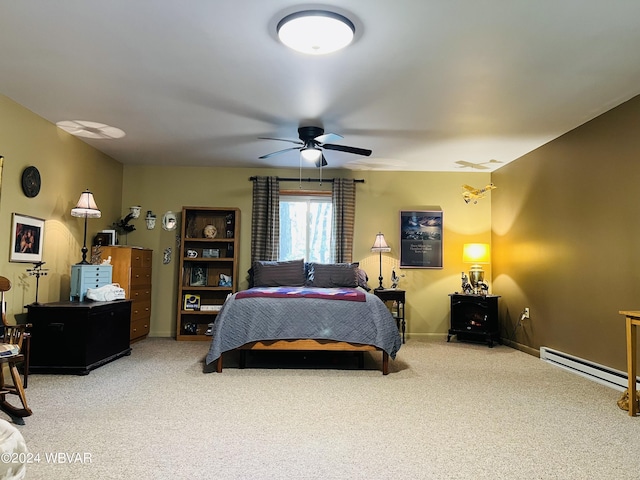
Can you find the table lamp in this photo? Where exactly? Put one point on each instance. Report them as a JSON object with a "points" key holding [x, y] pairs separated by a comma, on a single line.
{"points": [[476, 254], [86, 208], [380, 245]]}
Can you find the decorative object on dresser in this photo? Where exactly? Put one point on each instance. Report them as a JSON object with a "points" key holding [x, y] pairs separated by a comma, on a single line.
{"points": [[87, 208], [27, 238], [395, 278], [380, 245], [475, 318], [394, 299], [37, 271], [132, 269], [71, 337], [201, 269], [84, 277]]}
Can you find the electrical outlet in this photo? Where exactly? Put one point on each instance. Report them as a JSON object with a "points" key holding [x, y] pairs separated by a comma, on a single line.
{"points": [[526, 312]]}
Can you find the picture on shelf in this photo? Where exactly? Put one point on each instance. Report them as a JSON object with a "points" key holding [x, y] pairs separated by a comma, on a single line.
{"points": [[210, 253], [191, 302], [198, 276]]}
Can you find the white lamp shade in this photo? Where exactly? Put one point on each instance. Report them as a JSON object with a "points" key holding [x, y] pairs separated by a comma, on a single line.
{"points": [[311, 154], [380, 244], [86, 206], [315, 32]]}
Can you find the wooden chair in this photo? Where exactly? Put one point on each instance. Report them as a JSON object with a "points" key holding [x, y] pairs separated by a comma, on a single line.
{"points": [[13, 334]]}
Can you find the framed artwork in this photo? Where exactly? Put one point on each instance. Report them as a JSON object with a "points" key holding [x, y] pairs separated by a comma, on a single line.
{"points": [[102, 239], [111, 235], [210, 253], [198, 276], [420, 239], [27, 236]]}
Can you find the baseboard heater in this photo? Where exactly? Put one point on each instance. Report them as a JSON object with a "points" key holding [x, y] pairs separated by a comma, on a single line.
{"points": [[593, 371]]}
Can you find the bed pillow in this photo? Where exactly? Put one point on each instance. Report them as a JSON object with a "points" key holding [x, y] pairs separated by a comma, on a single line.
{"points": [[332, 275], [279, 274], [363, 280]]}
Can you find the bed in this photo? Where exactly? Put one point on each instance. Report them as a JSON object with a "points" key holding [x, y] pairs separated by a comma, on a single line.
{"points": [[304, 306]]}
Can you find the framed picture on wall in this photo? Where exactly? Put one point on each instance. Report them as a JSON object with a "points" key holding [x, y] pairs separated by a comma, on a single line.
{"points": [[27, 237], [420, 239]]}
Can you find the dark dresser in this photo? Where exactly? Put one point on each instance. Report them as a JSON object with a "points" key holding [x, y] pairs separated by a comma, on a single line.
{"points": [[76, 337], [474, 318]]}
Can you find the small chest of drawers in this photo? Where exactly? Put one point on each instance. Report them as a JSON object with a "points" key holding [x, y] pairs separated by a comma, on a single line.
{"points": [[84, 277]]}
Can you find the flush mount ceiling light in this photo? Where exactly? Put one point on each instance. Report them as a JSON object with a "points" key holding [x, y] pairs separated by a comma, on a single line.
{"points": [[315, 32], [81, 128]]}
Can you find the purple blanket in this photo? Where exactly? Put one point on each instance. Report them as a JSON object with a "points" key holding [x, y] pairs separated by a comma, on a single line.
{"points": [[349, 294]]}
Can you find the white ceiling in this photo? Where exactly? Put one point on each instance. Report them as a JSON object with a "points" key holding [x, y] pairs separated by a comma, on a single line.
{"points": [[427, 83]]}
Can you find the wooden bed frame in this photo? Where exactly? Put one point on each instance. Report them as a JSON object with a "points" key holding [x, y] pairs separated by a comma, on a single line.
{"points": [[310, 344]]}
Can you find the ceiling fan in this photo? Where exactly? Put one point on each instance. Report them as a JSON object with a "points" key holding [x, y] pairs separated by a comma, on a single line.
{"points": [[312, 141]]}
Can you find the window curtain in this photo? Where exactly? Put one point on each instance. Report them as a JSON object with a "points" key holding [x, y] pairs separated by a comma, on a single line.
{"points": [[265, 219], [344, 213]]}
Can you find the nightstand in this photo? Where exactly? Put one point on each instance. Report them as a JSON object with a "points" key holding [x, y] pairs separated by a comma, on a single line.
{"points": [[474, 317], [395, 300]]}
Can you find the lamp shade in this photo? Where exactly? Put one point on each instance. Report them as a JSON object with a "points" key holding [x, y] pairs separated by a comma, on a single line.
{"points": [[380, 244], [476, 253], [86, 206], [315, 32]]}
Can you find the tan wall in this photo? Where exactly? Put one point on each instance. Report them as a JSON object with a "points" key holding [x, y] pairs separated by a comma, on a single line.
{"points": [[67, 167], [379, 201], [566, 235]]}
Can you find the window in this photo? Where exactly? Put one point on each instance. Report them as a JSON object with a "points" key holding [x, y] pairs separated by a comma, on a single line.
{"points": [[305, 228]]}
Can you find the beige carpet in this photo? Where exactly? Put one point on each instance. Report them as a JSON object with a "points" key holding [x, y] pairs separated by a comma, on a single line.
{"points": [[446, 411]]}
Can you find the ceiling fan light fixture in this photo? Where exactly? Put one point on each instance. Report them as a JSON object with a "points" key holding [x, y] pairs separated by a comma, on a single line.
{"points": [[310, 154], [316, 32]]}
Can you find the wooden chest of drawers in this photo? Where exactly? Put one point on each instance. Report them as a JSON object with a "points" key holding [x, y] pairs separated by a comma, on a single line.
{"points": [[132, 270]]}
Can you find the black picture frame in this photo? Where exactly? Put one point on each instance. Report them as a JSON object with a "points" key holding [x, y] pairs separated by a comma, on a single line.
{"points": [[421, 239]]}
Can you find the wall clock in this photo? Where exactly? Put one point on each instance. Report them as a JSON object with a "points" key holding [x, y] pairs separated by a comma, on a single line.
{"points": [[31, 181]]}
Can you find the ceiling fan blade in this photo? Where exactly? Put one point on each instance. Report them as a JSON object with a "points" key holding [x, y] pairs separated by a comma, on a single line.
{"points": [[343, 148], [328, 137], [278, 152], [297, 142], [324, 162]]}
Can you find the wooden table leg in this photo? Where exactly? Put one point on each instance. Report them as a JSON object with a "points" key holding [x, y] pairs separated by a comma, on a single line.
{"points": [[631, 365]]}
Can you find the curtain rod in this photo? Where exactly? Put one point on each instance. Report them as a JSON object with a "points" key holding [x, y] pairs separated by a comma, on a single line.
{"points": [[328, 180]]}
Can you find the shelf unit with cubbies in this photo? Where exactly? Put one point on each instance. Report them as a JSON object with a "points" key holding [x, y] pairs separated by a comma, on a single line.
{"points": [[208, 267]]}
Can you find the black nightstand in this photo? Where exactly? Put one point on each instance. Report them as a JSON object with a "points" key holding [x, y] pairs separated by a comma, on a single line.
{"points": [[475, 318], [397, 299]]}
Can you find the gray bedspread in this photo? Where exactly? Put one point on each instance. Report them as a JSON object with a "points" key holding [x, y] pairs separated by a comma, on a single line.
{"points": [[246, 320]]}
